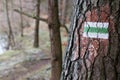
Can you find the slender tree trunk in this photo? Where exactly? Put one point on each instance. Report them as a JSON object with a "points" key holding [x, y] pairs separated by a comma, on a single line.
{"points": [[11, 41], [21, 19], [55, 38], [89, 55], [12, 12], [36, 39], [64, 11]]}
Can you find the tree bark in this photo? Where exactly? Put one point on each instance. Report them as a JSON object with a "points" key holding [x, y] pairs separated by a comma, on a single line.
{"points": [[36, 39], [55, 39], [93, 58]]}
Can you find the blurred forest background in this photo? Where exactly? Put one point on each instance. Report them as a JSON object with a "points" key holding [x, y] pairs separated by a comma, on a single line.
{"points": [[22, 56]]}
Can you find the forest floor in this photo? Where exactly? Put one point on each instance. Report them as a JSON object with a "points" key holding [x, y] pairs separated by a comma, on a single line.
{"points": [[26, 62], [24, 66]]}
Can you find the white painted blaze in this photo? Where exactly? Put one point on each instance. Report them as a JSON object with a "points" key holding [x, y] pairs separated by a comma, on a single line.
{"points": [[96, 30]]}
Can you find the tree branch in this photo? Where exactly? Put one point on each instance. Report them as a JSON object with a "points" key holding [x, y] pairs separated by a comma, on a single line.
{"points": [[28, 15], [41, 19], [64, 26]]}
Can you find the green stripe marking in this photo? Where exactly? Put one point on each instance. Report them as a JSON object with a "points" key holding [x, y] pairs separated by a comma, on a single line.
{"points": [[95, 30]]}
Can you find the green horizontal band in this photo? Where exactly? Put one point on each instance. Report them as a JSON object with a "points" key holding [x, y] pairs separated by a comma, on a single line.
{"points": [[95, 30]]}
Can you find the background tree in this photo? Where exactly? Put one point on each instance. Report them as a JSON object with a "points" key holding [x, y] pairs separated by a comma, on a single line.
{"points": [[63, 11], [21, 18], [11, 42], [93, 58], [36, 39], [55, 39]]}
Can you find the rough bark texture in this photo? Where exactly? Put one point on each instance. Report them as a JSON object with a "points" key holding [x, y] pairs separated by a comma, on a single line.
{"points": [[55, 39], [36, 39], [93, 58]]}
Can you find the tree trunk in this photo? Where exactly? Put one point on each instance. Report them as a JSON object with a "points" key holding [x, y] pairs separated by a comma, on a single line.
{"points": [[11, 42], [55, 38], [93, 51], [21, 19], [64, 11], [36, 39], [12, 13]]}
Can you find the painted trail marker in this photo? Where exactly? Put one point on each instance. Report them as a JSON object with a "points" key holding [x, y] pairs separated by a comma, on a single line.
{"points": [[96, 30]]}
